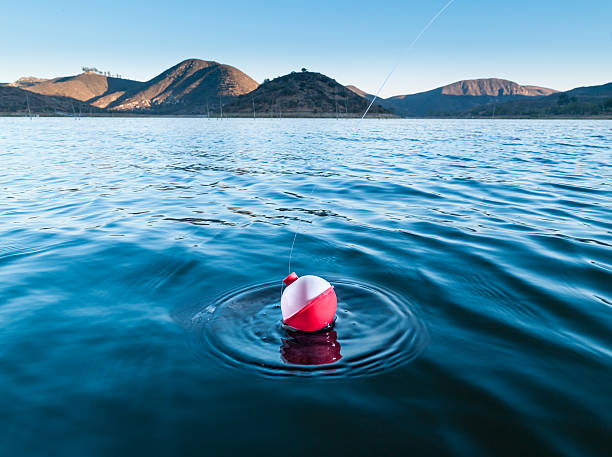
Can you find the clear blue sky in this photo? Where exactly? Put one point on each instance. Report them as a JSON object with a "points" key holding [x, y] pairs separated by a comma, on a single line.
{"points": [[560, 44]]}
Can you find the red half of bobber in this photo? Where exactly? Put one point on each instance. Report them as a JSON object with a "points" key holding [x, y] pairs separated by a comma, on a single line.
{"points": [[317, 314]]}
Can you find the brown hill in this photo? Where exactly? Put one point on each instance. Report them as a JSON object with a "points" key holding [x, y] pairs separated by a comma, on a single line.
{"points": [[186, 88], [302, 94], [493, 87], [461, 96], [84, 87]]}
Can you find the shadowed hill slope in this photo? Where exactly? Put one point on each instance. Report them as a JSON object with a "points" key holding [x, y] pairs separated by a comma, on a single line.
{"points": [[582, 101], [302, 94], [15, 101]]}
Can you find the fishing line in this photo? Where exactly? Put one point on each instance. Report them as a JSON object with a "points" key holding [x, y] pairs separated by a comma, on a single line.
{"points": [[420, 34], [295, 234], [429, 24], [297, 229]]}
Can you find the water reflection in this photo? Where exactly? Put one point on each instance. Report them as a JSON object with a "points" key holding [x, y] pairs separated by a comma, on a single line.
{"points": [[301, 348]]}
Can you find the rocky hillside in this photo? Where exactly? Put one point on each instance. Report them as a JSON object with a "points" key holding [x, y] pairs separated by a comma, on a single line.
{"points": [[27, 81], [460, 96], [302, 94], [186, 88]]}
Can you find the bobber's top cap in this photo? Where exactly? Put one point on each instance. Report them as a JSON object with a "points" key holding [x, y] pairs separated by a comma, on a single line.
{"points": [[290, 279]]}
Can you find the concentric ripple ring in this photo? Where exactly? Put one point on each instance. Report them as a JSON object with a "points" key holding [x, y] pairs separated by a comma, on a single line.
{"points": [[375, 331]]}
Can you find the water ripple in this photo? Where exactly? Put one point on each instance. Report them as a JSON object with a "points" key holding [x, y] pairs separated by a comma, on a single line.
{"points": [[375, 331]]}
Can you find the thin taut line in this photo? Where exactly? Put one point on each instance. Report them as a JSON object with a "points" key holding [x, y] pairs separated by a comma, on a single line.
{"points": [[429, 24]]}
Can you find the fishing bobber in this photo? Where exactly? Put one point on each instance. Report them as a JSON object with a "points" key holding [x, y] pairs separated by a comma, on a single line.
{"points": [[308, 303]]}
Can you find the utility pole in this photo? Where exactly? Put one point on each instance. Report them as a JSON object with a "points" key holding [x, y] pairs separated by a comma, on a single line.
{"points": [[253, 99], [221, 106], [207, 108]]}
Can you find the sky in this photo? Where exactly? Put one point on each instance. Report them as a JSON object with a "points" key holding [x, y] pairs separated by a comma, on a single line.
{"points": [[560, 44]]}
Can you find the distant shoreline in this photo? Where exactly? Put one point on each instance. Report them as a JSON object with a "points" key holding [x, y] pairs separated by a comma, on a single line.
{"points": [[302, 116]]}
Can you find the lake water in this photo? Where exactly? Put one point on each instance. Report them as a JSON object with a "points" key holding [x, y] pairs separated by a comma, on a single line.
{"points": [[140, 270]]}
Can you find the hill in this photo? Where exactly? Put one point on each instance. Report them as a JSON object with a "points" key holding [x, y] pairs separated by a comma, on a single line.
{"points": [[579, 102], [186, 88], [14, 100], [302, 94], [461, 96], [86, 87], [492, 87]]}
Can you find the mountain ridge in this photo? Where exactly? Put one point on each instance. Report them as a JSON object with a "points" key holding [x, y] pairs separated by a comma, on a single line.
{"points": [[196, 87]]}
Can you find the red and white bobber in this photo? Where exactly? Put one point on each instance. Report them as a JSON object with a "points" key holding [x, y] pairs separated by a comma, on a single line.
{"points": [[308, 303]]}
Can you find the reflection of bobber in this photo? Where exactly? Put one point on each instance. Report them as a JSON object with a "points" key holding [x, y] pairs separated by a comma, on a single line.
{"points": [[308, 303], [301, 348]]}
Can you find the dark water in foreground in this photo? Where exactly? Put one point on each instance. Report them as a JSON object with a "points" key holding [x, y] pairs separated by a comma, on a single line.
{"points": [[140, 268]]}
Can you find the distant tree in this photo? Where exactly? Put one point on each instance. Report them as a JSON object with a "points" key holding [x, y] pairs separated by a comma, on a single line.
{"points": [[267, 80], [563, 99], [304, 69]]}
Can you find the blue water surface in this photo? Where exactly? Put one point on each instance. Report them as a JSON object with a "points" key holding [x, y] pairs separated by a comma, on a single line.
{"points": [[141, 261]]}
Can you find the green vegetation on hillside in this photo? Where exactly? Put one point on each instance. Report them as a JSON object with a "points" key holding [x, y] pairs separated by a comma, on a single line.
{"points": [[302, 93], [581, 102]]}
